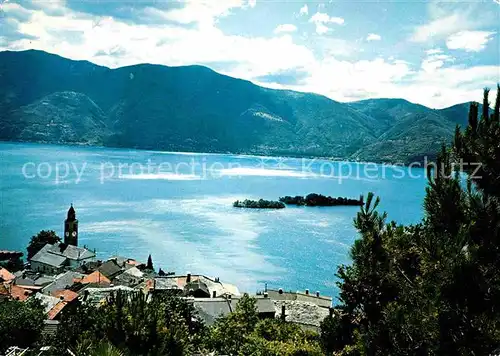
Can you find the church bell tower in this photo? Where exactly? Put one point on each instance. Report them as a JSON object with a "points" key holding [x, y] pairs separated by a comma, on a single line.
{"points": [[71, 228]]}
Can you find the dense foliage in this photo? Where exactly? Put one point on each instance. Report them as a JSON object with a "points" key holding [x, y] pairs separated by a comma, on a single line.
{"points": [[258, 204], [242, 333], [47, 98], [149, 264], [320, 200], [431, 288], [41, 239], [129, 324], [21, 323]]}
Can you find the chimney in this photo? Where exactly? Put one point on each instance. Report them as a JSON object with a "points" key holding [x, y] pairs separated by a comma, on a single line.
{"points": [[188, 278], [280, 291], [214, 294], [330, 311], [266, 295], [154, 284], [283, 316], [317, 294], [307, 291]]}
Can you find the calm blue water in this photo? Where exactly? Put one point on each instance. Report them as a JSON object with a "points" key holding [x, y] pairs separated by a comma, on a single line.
{"points": [[178, 207]]}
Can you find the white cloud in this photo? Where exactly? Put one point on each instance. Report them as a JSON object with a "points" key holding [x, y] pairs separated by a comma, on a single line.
{"points": [[321, 19], [470, 41], [325, 18], [434, 61], [433, 51], [321, 29], [373, 37], [124, 43], [342, 80], [304, 10], [205, 12], [441, 27], [449, 17], [285, 28]]}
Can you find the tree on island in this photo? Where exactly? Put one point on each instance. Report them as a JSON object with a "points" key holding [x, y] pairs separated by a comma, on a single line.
{"points": [[41, 239], [149, 265], [431, 288]]}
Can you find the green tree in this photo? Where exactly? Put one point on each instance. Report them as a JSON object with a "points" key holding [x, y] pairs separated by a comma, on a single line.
{"points": [[232, 331], [106, 349], [149, 264], [134, 324], [242, 333], [41, 239], [433, 287], [275, 337], [21, 323]]}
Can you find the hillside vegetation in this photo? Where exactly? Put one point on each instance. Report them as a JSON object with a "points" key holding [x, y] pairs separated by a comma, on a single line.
{"points": [[47, 98]]}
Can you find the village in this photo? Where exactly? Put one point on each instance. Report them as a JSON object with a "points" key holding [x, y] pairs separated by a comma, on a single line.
{"points": [[63, 273]]}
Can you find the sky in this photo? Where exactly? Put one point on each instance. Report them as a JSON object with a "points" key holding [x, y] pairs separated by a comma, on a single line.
{"points": [[433, 53]]}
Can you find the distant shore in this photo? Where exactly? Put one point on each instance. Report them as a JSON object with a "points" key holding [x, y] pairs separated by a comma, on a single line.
{"points": [[255, 154]]}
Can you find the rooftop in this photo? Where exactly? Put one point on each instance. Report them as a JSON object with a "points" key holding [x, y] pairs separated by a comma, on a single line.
{"points": [[62, 281], [66, 295], [5, 275], [135, 272], [124, 261], [179, 282], [210, 309], [45, 256], [301, 312], [55, 255], [20, 293], [94, 278], [98, 295], [110, 269], [71, 252], [51, 315], [47, 301]]}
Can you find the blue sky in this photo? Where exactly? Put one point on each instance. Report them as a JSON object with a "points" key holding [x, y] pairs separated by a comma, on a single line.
{"points": [[429, 52]]}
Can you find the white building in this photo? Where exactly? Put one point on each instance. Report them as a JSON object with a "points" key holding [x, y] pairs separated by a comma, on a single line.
{"points": [[54, 259]]}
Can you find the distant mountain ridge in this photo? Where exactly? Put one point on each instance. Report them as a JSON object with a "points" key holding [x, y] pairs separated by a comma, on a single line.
{"points": [[48, 98]]}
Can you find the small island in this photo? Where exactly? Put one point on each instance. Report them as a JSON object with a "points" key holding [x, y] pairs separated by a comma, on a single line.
{"points": [[259, 204], [321, 200]]}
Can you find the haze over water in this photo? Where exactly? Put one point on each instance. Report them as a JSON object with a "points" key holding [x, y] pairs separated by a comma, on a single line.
{"points": [[181, 212]]}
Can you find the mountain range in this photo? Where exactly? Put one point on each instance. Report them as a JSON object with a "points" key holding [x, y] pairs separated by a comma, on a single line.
{"points": [[48, 98]]}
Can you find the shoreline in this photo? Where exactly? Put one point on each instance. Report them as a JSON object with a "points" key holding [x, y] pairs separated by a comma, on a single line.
{"points": [[221, 153]]}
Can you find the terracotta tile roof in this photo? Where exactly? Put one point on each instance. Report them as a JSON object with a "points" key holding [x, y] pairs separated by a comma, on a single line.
{"points": [[56, 310], [94, 278], [66, 294], [6, 275], [20, 293]]}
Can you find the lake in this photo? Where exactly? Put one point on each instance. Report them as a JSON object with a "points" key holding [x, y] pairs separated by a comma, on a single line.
{"points": [[178, 208]]}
